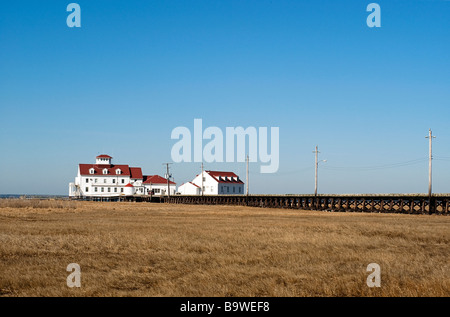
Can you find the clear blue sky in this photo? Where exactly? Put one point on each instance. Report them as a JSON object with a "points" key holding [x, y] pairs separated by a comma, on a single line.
{"points": [[135, 70]]}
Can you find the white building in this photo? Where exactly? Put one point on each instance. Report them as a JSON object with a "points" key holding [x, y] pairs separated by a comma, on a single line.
{"points": [[189, 188], [214, 183], [104, 179], [157, 186]]}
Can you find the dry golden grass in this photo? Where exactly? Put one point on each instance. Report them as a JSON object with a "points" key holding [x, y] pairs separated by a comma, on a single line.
{"points": [[37, 203], [142, 249]]}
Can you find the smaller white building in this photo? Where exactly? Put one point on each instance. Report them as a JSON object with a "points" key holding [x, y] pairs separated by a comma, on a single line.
{"points": [[189, 188], [156, 185], [214, 183]]}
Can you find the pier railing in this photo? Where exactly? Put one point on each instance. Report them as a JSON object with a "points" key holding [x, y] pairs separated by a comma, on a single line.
{"points": [[389, 203]]}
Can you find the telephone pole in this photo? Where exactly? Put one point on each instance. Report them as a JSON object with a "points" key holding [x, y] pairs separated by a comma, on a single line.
{"points": [[247, 177], [430, 138], [316, 168], [168, 177], [202, 179]]}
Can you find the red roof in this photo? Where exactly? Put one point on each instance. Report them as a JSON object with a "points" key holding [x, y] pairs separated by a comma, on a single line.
{"points": [[156, 179], [223, 177], [98, 169], [134, 172], [103, 156], [129, 185]]}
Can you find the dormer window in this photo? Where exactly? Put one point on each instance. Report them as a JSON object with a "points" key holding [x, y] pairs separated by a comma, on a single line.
{"points": [[105, 171], [118, 171], [91, 171]]}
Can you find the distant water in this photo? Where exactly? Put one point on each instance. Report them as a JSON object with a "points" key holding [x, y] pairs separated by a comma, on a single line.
{"points": [[32, 196]]}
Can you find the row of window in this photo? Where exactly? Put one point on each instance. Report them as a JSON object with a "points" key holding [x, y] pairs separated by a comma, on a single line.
{"points": [[102, 189], [105, 171], [228, 189], [222, 189], [104, 180]]}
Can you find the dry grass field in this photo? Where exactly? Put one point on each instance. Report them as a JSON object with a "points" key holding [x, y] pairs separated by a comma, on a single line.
{"points": [[142, 249]]}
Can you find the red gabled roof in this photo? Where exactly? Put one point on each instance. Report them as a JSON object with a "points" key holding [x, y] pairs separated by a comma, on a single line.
{"points": [[133, 172], [156, 179], [98, 169], [103, 156], [129, 185], [136, 172], [225, 175]]}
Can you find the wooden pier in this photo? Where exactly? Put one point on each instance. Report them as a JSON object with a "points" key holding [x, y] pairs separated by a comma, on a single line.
{"points": [[402, 203]]}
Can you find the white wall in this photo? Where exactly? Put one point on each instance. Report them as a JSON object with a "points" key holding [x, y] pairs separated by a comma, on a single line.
{"points": [[210, 184], [160, 189], [103, 161], [212, 187], [189, 189], [102, 185]]}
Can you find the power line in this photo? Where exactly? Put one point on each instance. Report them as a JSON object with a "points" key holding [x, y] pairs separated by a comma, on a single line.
{"points": [[376, 167]]}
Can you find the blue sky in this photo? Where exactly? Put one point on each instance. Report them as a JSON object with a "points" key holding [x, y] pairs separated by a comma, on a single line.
{"points": [[135, 70]]}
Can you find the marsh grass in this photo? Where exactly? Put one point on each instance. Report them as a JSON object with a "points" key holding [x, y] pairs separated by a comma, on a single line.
{"points": [[143, 249], [37, 203]]}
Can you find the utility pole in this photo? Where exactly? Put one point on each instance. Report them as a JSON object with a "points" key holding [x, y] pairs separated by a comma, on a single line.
{"points": [[202, 179], [430, 158], [168, 177], [247, 177], [316, 168]]}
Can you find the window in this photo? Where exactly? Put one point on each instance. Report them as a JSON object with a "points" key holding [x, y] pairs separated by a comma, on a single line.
{"points": [[204, 178], [228, 189], [87, 180], [115, 189], [87, 189], [104, 181], [221, 189], [105, 171], [95, 189], [118, 171], [91, 171], [240, 189], [234, 189], [95, 180], [121, 190], [123, 181], [103, 189], [109, 189], [157, 190], [114, 181]]}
